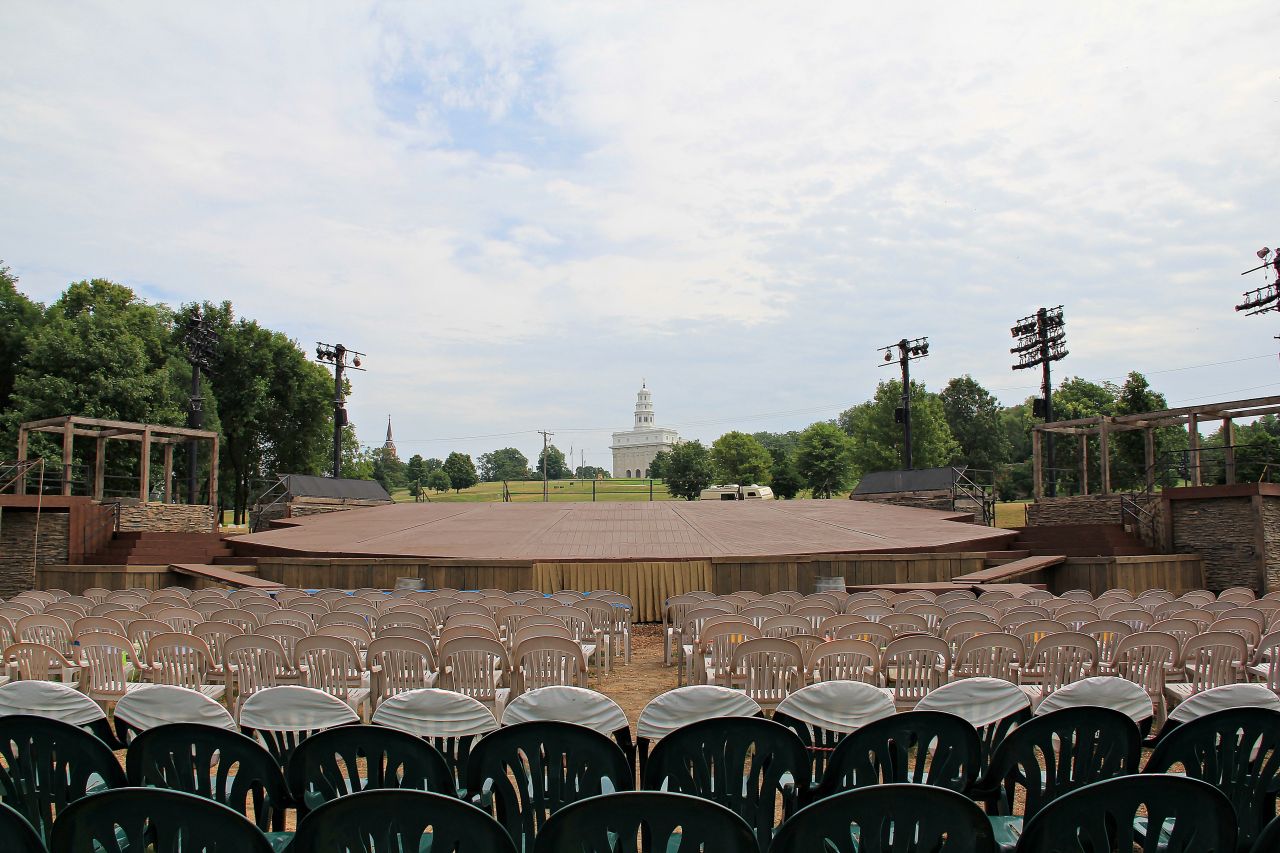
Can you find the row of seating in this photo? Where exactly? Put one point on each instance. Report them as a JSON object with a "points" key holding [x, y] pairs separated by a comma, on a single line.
{"points": [[524, 774]]}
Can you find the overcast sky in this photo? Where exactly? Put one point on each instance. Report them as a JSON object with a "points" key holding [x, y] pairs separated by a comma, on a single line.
{"points": [[520, 211]]}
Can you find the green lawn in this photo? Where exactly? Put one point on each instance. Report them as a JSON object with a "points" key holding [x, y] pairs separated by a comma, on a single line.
{"points": [[557, 490]]}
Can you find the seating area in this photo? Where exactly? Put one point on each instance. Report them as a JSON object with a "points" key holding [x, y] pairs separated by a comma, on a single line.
{"points": [[915, 736]]}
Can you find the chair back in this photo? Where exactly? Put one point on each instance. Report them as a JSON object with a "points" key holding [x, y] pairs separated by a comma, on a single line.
{"points": [[666, 821], [921, 747]]}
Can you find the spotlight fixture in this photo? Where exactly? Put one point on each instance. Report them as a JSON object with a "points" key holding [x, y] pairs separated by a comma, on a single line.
{"points": [[907, 351]]}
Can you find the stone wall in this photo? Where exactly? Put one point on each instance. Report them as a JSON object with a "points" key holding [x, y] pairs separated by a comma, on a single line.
{"points": [[1080, 509], [915, 500], [300, 507], [1221, 530], [1271, 535], [18, 537], [166, 518]]}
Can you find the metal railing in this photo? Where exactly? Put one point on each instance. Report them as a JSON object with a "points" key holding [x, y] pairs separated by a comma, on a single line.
{"points": [[274, 495], [982, 495]]}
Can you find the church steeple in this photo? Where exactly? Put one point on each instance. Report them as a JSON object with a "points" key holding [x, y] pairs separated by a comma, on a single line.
{"points": [[644, 408], [390, 443]]}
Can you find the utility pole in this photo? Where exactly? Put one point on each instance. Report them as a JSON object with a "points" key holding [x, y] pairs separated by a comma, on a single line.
{"points": [[545, 436], [908, 351], [337, 356], [1042, 339], [200, 340]]}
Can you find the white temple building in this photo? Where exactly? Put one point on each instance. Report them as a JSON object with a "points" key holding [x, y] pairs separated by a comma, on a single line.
{"points": [[635, 448]]}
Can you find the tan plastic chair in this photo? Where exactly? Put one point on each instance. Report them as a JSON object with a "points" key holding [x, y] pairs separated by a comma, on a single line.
{"points": [[870, 612], [214, 634], [289, 616], [1209, 660], [397, 664], [182, 660], [914, 664], [1245, 626], [45, 629], [109, 661], [768, 669], [1061, 659], [89, 624], [584, 631], [1265, 666], [181, 619], [845, 660], [932, 613], [1144, 658], [314, 608], [333, 665], [815, 614], [476, 667], [906, 623], [286, 635], [1237, 595], [342, 617], [547, 661], [255, 663], [713, 659], [236, 616], [990, 654], [871, 632], [356, 635], [787, 624], [957, 632], [1107, 633], [534, 630], [1021, 614], [36, 662]]}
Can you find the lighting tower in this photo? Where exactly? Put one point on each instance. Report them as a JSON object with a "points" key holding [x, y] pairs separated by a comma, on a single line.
{"points": [[336, 355], [200, 340], [1267, 297], [1042, 340], [908, 351]]}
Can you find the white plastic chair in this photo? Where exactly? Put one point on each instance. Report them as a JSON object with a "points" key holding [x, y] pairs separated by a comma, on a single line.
{"points": [[162, 704], [282, 717], [689, 704]]}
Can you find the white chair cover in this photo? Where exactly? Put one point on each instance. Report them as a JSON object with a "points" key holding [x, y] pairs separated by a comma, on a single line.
{"points": [[1217, 699], [838, 706], [154, 705], [679, 707], [432, 712], [294, 709], [1107, 691], [980, 700], [569, 705], [49, 699]]}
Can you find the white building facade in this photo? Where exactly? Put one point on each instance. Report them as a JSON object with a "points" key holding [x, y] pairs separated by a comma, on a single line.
{"points": [[635, 448]]}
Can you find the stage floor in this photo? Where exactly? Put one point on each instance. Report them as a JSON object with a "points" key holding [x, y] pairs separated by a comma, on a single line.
{"points": [[661, 530]]}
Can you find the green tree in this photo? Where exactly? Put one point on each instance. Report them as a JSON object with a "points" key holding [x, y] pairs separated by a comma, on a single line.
{"points": [[658, 467], [556, 468], [738, 458], [461, 471], [19, 317], [439, 480], [357, 461], [973, 416], [414, 475], [688, 470], [1077, 398], [388, 470], [432, 464], [590, 472], [506, 463], [877, 437], [1013, 480], [824, 458]]}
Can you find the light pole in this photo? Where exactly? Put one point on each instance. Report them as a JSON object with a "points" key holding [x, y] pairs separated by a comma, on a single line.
{"points": [[336, 355], [908, 351], [200, 340], [1042, 339]]}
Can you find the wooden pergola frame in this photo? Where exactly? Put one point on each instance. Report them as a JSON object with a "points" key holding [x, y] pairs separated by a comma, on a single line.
{"points": [[102, 431], [1190, 416]]}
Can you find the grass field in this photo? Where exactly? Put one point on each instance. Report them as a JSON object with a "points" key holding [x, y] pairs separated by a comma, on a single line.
{"points": [[557, 490]]}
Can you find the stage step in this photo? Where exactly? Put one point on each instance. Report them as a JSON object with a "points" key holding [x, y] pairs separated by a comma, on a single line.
{"points": [[146, 548], [1080, 540]]}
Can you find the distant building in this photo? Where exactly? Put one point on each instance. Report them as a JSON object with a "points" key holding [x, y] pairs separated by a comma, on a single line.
{"points": [[634, 449], [390, 444]]}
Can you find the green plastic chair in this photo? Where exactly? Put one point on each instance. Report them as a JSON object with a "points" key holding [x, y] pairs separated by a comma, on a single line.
{"points": [[224, 766], [18, 834], [45, 765], [337, 762], [921, 747], [1269, 839], [155, 820], [522, 774], [748, 764], [893, 818], [611, 823], [397, 819], [1104, 817], [1236, 751], [1051, 755]]}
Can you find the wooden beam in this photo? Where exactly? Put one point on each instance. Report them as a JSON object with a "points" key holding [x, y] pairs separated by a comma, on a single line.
{"points": [[99, 469], [168, 473], [1149, 457], [213, 483], [1104, 457], [1037, 466], [1193, 449], [34, 425], [1229, 452], [1084, 464], [21, 487], [144, 475], [68, 456]]}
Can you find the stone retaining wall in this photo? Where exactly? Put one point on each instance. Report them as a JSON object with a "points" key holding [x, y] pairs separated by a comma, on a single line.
{"points": [[18, 537], [1222, 531], [1079, 509], [166, 518], [1271, 535], [915, 500], [300, 507]]}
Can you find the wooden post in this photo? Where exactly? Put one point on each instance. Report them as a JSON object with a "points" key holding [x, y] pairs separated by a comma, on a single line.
{"points": [[1104, 455], [21, 487], [100, 469], [1037, 464], [1149, 457], [144, 474], [1084, 463], [213, 483], [168, 473], [68, 451], [1193, 448], [1229, 453]]}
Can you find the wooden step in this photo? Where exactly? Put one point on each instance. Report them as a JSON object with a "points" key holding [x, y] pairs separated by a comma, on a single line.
{"points": [[1008, 571], [246, 578]]}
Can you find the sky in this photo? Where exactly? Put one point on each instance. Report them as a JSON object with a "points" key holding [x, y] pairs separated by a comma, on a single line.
{"points": [[521, 211]]}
